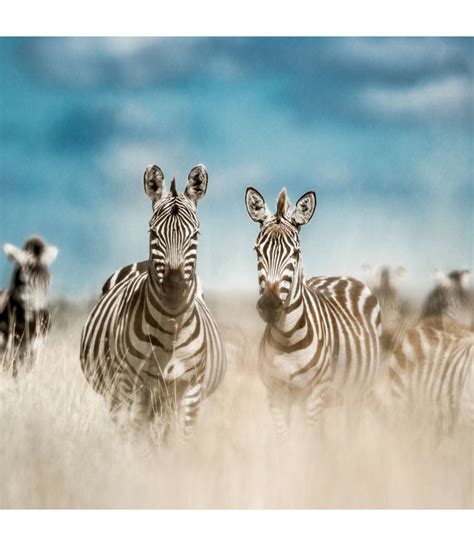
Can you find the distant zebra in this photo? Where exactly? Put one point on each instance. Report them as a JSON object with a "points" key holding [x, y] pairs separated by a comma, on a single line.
{"points": [[395, 311], [150, 345], [451, 300], [322, 334], [430, 370], [24, 317]]}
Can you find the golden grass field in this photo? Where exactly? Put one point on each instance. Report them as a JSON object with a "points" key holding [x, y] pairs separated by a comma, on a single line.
{"points": [[60, 449]]}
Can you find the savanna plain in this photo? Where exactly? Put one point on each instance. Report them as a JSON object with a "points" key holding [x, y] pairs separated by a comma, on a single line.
{"points": [[60, 449]]}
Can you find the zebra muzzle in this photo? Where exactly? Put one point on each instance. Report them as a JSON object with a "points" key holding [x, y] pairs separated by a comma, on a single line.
{"points": [[270, 307], [174, 286]]}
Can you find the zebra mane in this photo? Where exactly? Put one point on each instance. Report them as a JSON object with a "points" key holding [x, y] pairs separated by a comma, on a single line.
{"points": [[173, 191], [283, 204]]}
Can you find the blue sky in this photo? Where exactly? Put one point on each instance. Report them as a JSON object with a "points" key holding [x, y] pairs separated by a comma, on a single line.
{"points": [[382, 129]]}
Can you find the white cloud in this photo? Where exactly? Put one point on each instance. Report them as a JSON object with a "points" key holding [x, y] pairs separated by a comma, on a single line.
{"points": [[448, 97]]}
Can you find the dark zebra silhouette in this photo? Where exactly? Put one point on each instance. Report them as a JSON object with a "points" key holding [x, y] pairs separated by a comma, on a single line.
{"points": [[24, 317], [430, 370], [322, 334], [150, 345]]}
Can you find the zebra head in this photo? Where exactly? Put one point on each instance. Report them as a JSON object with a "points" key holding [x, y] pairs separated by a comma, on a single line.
{"points": [[278, 247], [384, 284], [451, 298], [31, 278], [174, 228]]}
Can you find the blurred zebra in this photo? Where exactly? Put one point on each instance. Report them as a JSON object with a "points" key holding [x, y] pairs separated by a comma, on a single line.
{"points": [[451, 300], [150, 345], [322, 334], [395, 311], [24, 317], [431, 368]]}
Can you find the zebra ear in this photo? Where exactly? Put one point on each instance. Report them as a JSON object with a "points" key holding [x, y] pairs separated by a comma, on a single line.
{"points": [[442, 279], [465, 278], [304, 209], [49, 255], [197, 183], [14, 253], [153, 183], [256, 206]]}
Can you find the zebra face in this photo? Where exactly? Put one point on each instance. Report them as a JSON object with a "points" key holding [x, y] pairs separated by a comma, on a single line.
{"points": [[278, 248], [174, 229], [31, 278], [451, 298]]}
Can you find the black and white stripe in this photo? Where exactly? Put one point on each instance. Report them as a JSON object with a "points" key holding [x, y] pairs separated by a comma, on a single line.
{"points": [[322, 336], [24, 316], [151, 345], [430, 369]]}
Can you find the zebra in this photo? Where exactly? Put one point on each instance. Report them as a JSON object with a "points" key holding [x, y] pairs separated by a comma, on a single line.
{"points": [[395, 311], [322, 333], [151, 346], [24, 317], [430, 369], [451, 299]]}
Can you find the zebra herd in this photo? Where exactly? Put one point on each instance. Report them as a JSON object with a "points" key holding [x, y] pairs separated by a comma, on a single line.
{"points": [[430, 353], [152, 348]]}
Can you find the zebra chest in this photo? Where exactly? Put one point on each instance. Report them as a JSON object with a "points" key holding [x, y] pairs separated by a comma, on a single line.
{"points": [[170, 357], [295, 369], [182, 365]]}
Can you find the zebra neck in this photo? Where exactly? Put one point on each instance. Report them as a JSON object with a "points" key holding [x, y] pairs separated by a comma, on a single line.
{"points": [[294, 322], [160, 314]]}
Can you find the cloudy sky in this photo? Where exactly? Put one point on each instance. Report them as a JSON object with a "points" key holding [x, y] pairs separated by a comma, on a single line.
{"points": [[382, 129]]}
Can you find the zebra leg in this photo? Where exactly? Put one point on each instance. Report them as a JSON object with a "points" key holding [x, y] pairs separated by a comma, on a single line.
{"points": [[132, 413], [188, 409], [280, 406]]}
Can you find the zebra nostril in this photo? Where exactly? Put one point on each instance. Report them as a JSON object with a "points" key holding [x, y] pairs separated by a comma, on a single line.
{"points": [[269, 302], [174, 279]]}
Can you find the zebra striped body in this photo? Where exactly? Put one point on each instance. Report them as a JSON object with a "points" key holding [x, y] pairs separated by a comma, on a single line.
{"points": [[213, 373], [325, 344], [430, 370], [322, 336], [24, 317], [151, 345], [431, 374]]}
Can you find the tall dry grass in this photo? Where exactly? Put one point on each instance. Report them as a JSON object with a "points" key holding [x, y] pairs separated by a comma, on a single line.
{"points": [[59, 448]]}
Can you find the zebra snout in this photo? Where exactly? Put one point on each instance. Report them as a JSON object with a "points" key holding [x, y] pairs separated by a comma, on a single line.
{"points": [[174, 284], [270, 307]]}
